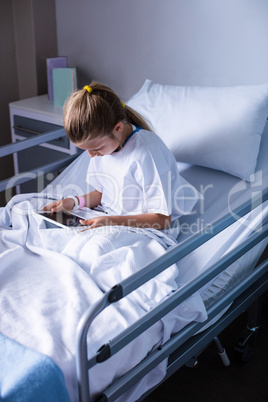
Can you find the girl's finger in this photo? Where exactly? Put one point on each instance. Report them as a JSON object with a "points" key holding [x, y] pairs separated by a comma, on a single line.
{"points": [[89, 227], [59, 208], [86, 221], [49, 207], [56, 208]]}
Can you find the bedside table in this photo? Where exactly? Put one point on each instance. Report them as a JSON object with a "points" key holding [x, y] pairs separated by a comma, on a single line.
{"points": [[31, 117]]}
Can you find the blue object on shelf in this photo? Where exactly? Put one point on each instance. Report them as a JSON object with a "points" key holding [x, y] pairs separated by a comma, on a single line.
{"points": [[64, 83]]}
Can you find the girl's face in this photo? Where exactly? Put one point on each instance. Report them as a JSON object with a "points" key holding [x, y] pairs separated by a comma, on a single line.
{"points": [[101, 146]]}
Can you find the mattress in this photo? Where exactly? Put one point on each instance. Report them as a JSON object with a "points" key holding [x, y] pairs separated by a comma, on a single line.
{"points": [[223, 193]]}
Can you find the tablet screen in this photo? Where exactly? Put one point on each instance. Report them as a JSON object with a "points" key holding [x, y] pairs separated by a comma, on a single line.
{"points": [[62, 218]]}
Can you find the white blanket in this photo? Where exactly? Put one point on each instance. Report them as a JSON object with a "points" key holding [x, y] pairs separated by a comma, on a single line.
{"points": [[49, 277]]}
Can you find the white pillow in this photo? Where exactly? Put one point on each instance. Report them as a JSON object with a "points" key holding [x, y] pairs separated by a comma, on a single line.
{"points": [[216, 127]]}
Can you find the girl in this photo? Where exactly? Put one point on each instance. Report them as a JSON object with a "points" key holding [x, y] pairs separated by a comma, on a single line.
{"points": [[133, 173]]}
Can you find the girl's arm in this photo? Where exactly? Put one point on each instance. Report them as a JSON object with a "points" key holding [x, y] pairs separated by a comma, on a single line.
{"points": [[149, 220], [92, 199]]}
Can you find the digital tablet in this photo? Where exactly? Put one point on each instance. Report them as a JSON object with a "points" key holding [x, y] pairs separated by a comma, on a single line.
{"points": [[62, 219]]}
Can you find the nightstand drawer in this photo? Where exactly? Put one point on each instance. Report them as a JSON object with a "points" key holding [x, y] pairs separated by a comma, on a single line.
{"points": [[26, 127]]}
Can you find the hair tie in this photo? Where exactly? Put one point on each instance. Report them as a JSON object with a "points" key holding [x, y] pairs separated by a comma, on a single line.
{"points": [[122, 103], [88, 88]]}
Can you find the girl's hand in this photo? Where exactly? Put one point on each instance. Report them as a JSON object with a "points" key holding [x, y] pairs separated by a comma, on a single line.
{"points": [[97, 222], [66, 204]]}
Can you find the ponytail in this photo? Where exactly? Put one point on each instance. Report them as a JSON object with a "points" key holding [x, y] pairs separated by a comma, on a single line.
{"points": [[135, 118]]}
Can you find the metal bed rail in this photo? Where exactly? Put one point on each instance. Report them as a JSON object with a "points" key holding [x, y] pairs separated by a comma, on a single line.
{"points": [[40, 171], [136, 280], [35, 173], [31, 142]]}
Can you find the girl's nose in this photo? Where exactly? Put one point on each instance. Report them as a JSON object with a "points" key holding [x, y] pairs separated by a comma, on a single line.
{"points": [[91, 154]]}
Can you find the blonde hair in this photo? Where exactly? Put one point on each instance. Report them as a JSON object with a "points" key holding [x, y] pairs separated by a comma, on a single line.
{"points": [[94, 111]]}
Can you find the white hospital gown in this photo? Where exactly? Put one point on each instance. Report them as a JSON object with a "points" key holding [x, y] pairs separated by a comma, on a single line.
{"points": [[142, 177]]}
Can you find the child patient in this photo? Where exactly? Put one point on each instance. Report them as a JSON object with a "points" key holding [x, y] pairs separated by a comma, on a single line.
{"points": [[133, 173]]}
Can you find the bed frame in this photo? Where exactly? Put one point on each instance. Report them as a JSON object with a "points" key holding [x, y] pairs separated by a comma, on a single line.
{"points": [[186, 344]]}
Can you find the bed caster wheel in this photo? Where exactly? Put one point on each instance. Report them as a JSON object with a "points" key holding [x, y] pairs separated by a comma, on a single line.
{"points": [[245, 344]]}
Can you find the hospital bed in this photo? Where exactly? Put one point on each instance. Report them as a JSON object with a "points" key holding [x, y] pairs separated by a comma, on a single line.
{"points": [[217, 255]]}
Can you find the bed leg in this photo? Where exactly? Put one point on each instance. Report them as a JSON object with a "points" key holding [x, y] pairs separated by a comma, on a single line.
{"points": [[222, 352], [254, 316], [245, 343]]}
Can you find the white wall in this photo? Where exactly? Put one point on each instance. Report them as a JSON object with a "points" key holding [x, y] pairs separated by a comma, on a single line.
{"points": [[186, 42]]}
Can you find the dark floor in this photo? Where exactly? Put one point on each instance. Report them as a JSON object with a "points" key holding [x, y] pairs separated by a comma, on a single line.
{"points": [[211, 381]]}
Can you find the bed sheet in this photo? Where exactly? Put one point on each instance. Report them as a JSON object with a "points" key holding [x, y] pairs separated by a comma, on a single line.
{"points": [[49, 277]]}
